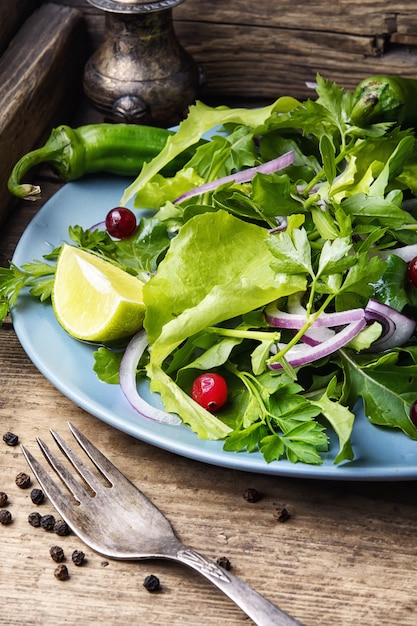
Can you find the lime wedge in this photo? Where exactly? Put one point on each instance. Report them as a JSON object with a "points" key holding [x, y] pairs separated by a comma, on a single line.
{"points": [[94, 300]]}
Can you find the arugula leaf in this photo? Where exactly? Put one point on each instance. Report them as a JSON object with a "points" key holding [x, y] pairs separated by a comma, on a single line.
{"points": [[393, 166], [275, 194], [216, 355], [328, 226], [260, 355], [306, 162], [237, 202], [386, 387], [383, 210], [328, 153], [391, 288], [146, 248], [267, 197]]}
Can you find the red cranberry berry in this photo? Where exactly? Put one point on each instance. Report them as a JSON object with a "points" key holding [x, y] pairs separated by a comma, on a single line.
{"points": [[120, 222], [210, 391], [412, 271]]}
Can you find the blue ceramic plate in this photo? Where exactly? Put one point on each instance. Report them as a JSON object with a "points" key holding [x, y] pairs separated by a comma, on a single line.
{"points": [[380, 454]]}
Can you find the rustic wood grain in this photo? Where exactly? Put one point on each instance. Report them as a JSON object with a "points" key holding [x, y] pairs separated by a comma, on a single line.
{"points": [[360, 17], [406, 31], [39, 74], [346, 556], [280, 69], [260, 50], [12, 16], [367, 17]]}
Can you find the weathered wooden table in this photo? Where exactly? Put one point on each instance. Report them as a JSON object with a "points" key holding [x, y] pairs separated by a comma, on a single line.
{"points": [[347, 555]]}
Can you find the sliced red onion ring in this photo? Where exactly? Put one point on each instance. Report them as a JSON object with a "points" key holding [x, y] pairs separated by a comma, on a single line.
{"points": [[397, 328], [303, 354], [243, 176], [282, 223], [281, 319], [127, 375], [314, 336]]}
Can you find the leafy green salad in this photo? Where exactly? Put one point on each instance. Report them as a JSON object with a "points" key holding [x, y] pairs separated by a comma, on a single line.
{"points": [[279, 257]]}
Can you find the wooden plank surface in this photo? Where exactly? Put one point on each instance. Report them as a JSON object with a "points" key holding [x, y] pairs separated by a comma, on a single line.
{"points": [[360, 17], [280, 69], [346, 556], [368, 17], [260, 50], [39, 74], [12, 16]]}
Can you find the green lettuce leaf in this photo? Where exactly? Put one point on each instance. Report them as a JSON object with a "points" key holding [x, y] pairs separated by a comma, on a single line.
{"points": [[205, 424], [200, 119], [217, 268]]}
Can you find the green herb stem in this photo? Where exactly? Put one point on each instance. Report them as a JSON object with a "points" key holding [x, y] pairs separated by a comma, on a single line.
{"points": [[245, 334]]}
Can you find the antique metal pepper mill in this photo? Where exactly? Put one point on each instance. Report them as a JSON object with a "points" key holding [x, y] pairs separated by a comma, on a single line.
{"points": [[141, 73]]}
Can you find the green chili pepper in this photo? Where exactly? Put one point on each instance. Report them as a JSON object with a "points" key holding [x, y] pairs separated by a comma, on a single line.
{"points": [[119, 149], [385, 99]]}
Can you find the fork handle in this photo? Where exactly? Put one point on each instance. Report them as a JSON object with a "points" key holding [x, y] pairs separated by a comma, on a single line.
{"points": [[258, 608]]}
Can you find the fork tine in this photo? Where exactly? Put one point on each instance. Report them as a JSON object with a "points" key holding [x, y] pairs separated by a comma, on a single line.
{"points": [[91, 479], [57, 497], [79, 493], [102, 463]]}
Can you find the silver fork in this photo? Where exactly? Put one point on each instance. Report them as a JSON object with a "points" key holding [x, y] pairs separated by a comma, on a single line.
{"points": [[119, 522]]}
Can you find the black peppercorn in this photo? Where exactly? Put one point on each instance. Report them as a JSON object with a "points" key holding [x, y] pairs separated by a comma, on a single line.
{"points": [[151, 583], [61, 572], [224, 562], [251, 495], [78, 557], [3, 498], [5, 517], [23, 480], [37, 496], [10, 439], [34, 519], [61, 528], [57, 554], [47, 522], [281, 514]]}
